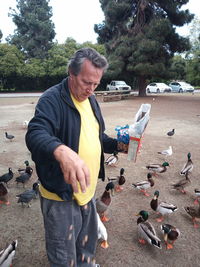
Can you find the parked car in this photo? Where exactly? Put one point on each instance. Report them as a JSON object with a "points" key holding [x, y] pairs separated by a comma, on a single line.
{"points": [[118, 85], [181, 87], [158, 88]]}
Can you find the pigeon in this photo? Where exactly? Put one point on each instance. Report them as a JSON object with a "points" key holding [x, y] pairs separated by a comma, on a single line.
{"points": [[9, 136], [28, 195], [171, 133], [7, 176], [7, 254], [24, 177], [166, 152], [4, 194]]}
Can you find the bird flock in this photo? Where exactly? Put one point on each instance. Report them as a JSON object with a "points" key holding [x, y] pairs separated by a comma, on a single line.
{"points": [[21, 177], [145, 229]]}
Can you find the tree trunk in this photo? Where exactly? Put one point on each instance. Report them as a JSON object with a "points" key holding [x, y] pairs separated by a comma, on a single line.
{"points": [[142, 86]]}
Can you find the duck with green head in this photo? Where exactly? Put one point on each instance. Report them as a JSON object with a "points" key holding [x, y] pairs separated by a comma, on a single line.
{"points": [[157, 168], [188, 166], [163, 208], [146, 231], [170, 233]]}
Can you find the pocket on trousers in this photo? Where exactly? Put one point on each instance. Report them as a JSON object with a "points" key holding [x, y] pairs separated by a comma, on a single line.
{"points": [[57, 252]]}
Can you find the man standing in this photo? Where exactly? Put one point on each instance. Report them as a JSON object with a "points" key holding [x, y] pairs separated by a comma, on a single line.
{"points": [[67, 141]]}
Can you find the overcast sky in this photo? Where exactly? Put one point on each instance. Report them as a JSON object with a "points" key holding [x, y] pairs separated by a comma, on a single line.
{"points": [[74, 18]]}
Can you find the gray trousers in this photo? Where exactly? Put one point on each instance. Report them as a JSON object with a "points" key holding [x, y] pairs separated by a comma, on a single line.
{"points": [[70, 232]]}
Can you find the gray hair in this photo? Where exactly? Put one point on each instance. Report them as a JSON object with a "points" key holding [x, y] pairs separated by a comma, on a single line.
{"points": [[98, 60]]}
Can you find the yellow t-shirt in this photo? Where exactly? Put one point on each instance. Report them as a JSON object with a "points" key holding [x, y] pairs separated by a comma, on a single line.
{"points": [[89, 151]]}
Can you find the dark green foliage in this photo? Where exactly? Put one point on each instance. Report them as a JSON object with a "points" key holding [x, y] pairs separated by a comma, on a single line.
{"points": [[140, 37], [1, 35], [35, 30]]}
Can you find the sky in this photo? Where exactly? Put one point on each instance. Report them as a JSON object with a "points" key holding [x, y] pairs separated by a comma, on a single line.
{"points": [[75, 18]]}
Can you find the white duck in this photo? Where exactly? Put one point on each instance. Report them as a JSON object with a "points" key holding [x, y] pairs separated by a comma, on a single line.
{"points": [[102, 233], [7, 254]]}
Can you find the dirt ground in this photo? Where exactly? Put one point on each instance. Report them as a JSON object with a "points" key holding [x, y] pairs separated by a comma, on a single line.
{"points": [[168, 111]]}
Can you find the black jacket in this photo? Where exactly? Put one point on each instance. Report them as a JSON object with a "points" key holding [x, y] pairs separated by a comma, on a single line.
{"points": [[57, 121]]}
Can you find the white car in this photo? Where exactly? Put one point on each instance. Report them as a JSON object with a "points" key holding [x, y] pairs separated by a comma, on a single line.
{"points": [[180, 87], [158, 88], [118, 85]]}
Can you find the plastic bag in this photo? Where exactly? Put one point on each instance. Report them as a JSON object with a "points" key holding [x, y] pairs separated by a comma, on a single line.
{"points": [[136, 130]]}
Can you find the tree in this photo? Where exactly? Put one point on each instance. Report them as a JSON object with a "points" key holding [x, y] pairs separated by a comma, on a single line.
{"points": [[1, 35], [35, 30], [178, 68], [140, 37], [193, 56], [11, 65]]}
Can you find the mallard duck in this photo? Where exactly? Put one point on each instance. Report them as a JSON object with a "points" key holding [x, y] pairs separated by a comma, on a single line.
{"points": [[102, 233], [194, 212], [7, 176], [28, 195], [112, 160], [188, 166], [27, 169], [7, 254], [144, 185], [146, 231], [9, 136], [118, 181], [180, 185], [171, 133], [170, 233], [163, 207], [157, 168], [104, 201], [166, 152], [197, 193], [24, 177], [4, 194]]}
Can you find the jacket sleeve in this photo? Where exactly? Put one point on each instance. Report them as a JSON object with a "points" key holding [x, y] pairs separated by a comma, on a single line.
{"points": [[41, 137], [109, 144]]}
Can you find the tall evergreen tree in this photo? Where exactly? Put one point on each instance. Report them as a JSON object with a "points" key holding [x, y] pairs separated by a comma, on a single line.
{"points": [[1, 35], [140, 37], [35, 30]]}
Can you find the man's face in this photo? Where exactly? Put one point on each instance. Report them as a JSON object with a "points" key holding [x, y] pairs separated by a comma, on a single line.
{"points": [[83, 85]]}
